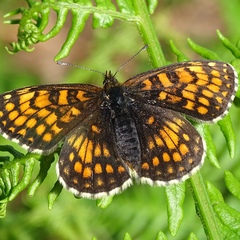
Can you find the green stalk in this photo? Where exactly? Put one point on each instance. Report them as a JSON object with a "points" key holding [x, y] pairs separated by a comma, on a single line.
{"points": [[148, 34], [204, 207]]}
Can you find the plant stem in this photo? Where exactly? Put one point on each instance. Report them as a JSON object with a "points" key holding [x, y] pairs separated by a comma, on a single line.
{"points": [[148, 34], [204, 207]]}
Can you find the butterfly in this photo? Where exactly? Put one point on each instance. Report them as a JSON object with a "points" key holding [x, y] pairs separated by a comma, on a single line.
{"points": [[112, 136]]}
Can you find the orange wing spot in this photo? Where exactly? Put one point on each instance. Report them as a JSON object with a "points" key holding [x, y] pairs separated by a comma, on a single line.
{"points": [[78, 167], [215, 73], [89, 152], [52, 118], [30, 111], [228, 85], [87, 172], [22, 132], [75, 112], [213, 88], [24, 106], [196, 149], [47, 137], [71, 139], [13, 115], [202, 110], [172, 135], [98, 168], [219, 100], [109, 168], [207, 93], [10, 106], [121, 169], [11, 129], [150, 120], [20, 120], [190, 161], [158, 140], [71, 156], [177, 157], [162, 96], [188, 95], [204, 77], [170, 170], [26, 95], [30, 139], [204, 101], [66, 170], [1, 113], [181, 169], [96, 129], [173, 99], [225, 94], [183, 149], [151, 144], [148, 85], [201, 82], [217, 81], [56, 129], [178, 121], [167, 139], [100, 182], [145, 166], [81, 96], [190, 105], [164, 80], [97, 151], [76, 143], [184, 76], [4, 123], [83, 149], [43, 113], [75, 181], [87, 185], [67, 117], [173, 126], [105, 151], [40, 129], [62, 99], [42, 100], [191, 88], [166, 157], [155, 161]]}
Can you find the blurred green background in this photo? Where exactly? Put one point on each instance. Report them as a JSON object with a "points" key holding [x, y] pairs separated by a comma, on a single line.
{"points": [[140, 210]]}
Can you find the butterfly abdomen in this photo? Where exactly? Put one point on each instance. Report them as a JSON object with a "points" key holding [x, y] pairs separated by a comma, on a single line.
{"points": [[126, 135]]}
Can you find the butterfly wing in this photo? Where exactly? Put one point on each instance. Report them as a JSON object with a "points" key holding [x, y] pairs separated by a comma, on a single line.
{"points": [[39, 117], [171, 148], [200, 89], [89, 165]]}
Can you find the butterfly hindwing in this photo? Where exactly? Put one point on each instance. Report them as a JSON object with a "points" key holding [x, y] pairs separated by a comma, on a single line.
{"points": [[171, 148], [89, 165]]}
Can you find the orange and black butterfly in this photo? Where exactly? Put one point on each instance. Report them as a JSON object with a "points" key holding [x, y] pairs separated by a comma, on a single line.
{"points": [[121, 132]]}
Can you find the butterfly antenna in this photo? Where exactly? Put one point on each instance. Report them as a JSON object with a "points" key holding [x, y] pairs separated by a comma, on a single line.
{"points": [[78, 66], [130, 59]]}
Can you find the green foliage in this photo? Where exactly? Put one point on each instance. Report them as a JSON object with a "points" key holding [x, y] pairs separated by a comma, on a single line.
{"points": [[218, 219]]}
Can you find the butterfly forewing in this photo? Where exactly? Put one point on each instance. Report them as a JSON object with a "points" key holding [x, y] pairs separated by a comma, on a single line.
{"points": [[203, 90], [39, 117]]}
